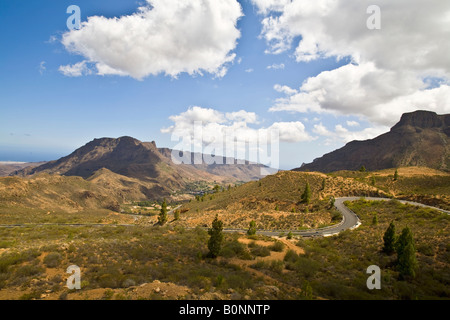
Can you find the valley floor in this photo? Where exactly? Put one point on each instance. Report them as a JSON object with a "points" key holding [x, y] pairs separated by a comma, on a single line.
{"points": [[144, 262]]}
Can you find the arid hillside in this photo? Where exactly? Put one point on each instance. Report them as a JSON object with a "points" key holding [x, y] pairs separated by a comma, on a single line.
{"points": [[275, 202]]}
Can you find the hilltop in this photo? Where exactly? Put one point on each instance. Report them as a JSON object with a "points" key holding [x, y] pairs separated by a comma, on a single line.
{"points": [[421, 138]]}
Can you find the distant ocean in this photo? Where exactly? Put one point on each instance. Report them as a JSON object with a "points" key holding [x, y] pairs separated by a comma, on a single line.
{"points": [[27, 156], [11, 162]]}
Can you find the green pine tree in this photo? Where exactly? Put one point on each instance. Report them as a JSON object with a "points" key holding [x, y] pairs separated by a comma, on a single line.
{"points": [[307, 292], [216, 237], [405, 238], [162, 219], [396, 175], [177, 214], [407, 262], [306, 196], [375, 220], [389, 239], [252, 230], [362, 169]]}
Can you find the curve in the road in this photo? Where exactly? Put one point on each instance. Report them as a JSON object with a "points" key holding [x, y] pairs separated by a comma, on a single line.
{"points": [[349, 221]]}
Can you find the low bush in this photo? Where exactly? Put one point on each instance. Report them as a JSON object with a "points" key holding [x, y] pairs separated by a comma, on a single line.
{"points": [[260, 251], [52, 260], [278, 246]]}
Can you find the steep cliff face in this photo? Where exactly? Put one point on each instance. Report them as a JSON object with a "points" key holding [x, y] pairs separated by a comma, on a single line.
{"points": [[421, 138], [423, 120]]}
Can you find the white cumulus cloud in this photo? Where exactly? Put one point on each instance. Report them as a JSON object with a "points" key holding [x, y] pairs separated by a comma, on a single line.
{"points": [[163, 36], [352, 123], [76, 70], [340, 134], [215, 125], [285, 89], [390, 68], [275, 66]]}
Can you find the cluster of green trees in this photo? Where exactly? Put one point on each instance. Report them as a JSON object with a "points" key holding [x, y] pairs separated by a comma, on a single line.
{"points": [[145, 203], [404, 246]]}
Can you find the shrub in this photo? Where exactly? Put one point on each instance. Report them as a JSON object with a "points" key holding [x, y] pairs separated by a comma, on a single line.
{"points": [[335, 215], [28, 271], [240, 281], [277, 266], [52, 260], [8, 260], [108, 294], [63, 295], [128, 283], [6, 244], [260, 251], [375, 220], [290, 258], [34, 295], [426, 249], [235, 249], [259, 265], [306, 267], [278, 246]]}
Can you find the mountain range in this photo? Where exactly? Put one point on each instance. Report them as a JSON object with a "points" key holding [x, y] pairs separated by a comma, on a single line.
{"points": [[108, 172], [151, 169], [144, 171]]}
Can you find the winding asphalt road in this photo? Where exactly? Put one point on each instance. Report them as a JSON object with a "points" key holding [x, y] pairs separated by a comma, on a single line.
{"points": [[349, 221]]}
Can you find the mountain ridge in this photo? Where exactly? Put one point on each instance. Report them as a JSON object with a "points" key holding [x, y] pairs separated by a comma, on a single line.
{"points": [[420, 138], [129, 157]]}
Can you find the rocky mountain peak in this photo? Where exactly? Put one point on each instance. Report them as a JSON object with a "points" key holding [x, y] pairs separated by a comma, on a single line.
{"points": [[421, 119]]}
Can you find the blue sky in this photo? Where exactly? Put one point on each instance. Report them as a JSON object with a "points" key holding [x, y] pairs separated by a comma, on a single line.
{"points": [[46, 114]]}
